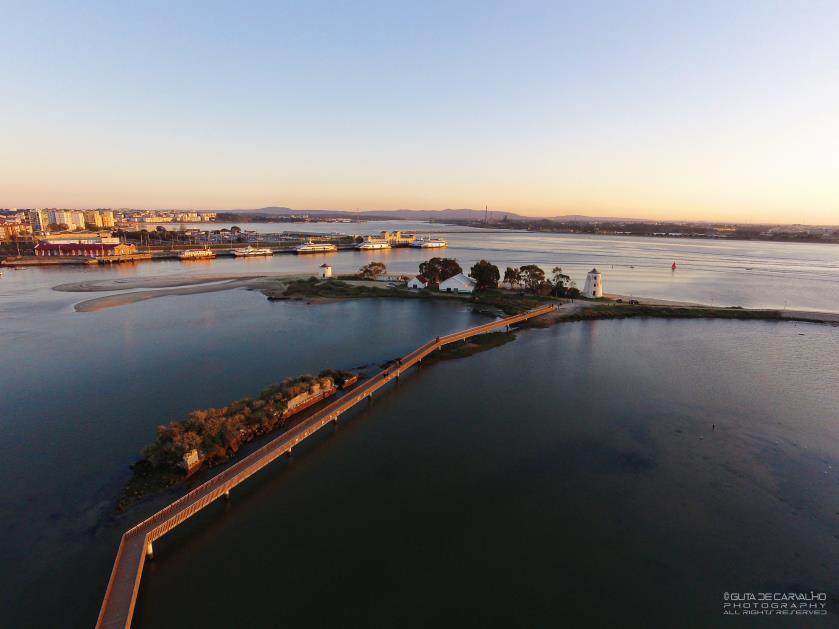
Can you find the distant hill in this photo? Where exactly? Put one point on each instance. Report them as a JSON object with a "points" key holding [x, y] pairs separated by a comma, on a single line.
{"points": [[460, 214], [582, 218]]}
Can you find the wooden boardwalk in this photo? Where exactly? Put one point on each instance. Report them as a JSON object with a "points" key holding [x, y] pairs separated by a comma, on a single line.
{"points": [[124, 584]]}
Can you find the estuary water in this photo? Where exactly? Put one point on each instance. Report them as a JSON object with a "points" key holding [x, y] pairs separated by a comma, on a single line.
{"points": [[632, 470], [751, 274]]}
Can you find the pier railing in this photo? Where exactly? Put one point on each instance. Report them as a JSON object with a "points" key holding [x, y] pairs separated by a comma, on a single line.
{"points": [[124, 584]]}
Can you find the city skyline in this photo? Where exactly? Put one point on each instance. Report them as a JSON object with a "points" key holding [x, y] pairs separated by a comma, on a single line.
{"points": [[712, 113]]}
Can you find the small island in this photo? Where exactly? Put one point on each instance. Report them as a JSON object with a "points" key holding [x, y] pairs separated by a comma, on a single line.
{"points": [[209, 437]]}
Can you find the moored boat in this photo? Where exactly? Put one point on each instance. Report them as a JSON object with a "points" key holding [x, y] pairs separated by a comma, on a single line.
{"points": [[372, 244], [311, 247], [253, 251], [429, 243], [196, 254]]}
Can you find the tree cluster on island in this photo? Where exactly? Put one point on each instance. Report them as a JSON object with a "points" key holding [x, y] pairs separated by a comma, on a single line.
{"points": [[529, 277], [532, 278], [216, 433], [372, 270], [438, 270]]}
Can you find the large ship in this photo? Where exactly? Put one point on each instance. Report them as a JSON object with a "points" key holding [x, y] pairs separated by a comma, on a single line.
{"points": [[311, 247], [372, 243], [196, 254], [429, 243], [253, 251]]}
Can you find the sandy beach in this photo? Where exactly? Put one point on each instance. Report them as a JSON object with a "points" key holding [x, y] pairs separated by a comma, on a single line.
{"points": [[163, 281], [160, 286]]}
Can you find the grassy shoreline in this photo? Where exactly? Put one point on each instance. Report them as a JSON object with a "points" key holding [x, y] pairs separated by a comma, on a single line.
{"points": [[512, 302]]}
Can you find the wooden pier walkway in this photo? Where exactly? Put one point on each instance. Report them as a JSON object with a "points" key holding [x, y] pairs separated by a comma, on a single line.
{"points": [[124, 584]]}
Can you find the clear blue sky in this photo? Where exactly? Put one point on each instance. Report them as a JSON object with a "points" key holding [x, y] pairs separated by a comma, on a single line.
{"points": [[724, 110]]}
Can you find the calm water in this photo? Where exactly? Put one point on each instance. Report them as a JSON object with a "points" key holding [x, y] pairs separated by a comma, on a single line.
{"points": [[585, 484], [722, 273], [574, 469]]}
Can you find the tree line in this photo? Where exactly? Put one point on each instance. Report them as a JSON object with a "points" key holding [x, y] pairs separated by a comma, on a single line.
{"points": [[529, 277]]}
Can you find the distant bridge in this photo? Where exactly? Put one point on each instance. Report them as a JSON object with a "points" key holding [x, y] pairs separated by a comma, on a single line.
{"points": [[136, 544]]}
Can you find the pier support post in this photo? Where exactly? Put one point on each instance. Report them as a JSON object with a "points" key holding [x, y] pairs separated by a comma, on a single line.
{"points": [[149, 551]]}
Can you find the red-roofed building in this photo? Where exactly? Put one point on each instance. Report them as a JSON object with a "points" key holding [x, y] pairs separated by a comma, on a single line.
{"points": [[86, 250], [420, 281]]}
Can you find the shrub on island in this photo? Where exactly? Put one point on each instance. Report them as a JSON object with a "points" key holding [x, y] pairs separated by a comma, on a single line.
{"points": [[212, 435]]}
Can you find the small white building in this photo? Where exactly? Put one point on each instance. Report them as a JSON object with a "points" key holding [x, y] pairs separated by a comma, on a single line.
{"points": [[418, 282], [325, 271], [594, 285], [459, 283]]}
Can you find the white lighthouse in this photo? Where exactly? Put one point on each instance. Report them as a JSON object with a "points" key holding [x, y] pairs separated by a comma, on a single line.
{"points": [[594, 284], [325, 271]]}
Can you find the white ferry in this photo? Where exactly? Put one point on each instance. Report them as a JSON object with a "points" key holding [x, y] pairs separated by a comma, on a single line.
{"points": [[429, 243], [196, 254], [371, 244], [311, 247], [253, 251]]}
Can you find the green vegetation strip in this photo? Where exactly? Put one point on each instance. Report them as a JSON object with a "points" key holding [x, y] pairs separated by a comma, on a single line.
{"points": [[623, 311]]}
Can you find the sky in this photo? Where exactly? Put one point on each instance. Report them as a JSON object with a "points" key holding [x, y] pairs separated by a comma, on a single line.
{"points": [[683, 110]]}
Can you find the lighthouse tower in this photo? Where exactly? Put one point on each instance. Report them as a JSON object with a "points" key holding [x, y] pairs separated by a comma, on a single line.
{"points": [[594, 284]]}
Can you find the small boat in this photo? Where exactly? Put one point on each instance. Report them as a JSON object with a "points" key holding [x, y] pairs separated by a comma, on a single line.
{"points": [[429, 243], [310, 247], [371, 244], [253, 251], [196, 254]]}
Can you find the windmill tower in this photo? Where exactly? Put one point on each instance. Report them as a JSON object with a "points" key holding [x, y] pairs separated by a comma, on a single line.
{"points": [[594, 285]]}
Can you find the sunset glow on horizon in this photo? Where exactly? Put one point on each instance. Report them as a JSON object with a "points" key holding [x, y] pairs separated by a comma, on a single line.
{"points": [[646, 110]]}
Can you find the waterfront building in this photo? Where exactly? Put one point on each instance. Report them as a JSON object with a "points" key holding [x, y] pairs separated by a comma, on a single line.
{"points": [[15, 231], [85, 250], [82, 238], [92, 219], [459, 283], [397, 238], [40, 220], [107, 217], [73, 219], [594, 285], [325, 271], [418, 282]]}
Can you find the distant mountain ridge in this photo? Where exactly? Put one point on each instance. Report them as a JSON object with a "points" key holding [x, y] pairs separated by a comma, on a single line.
{"points": [[449, 213]]}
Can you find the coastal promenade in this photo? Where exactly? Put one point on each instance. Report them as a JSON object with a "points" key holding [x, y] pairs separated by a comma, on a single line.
{"points": [[136, 544]]}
